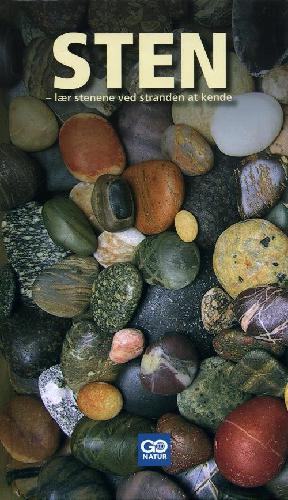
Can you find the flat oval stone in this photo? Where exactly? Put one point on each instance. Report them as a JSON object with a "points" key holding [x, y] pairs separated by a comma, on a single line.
{"points": [[64, 289], [68, 227], [262, 312], [158, 189], [112, 203], [261, 180], [188, 149], [211, 396], [249, 254], [90, 147], [33, 126], [115, 296], [259, 33], [139, 401], [240, 128], [190, 445]]}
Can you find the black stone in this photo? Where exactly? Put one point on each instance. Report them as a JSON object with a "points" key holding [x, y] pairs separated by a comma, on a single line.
{"points": [[58, 178], [11, 51], [260, 33], [32, 341], [120, 199], [164, 311], [212, 199], [139, 401]]}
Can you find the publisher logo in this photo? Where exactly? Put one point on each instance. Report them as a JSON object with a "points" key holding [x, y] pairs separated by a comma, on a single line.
{"points": [[154, 450]]}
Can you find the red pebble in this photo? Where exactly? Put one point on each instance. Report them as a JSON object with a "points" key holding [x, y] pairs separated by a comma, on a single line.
{"points": [[251, 444]]}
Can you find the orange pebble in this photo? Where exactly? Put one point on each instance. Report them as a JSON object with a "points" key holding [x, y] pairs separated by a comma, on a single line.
{"points": [[100, 401]]}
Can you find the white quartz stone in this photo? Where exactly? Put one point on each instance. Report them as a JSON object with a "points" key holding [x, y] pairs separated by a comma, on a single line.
{"points": [[247, 125]]}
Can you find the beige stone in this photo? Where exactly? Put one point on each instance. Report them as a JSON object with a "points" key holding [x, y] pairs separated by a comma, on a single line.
{"points": [[280, 145]]}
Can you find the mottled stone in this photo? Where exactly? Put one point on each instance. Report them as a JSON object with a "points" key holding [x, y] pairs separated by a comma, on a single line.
{"points": [[259, 33], [98, 87], [170, 365], [261, 180], [85, 356], [233, 345], [275, 83], [213, 14], [249, 254], [148, 484], [217, 310], [211, 396], [127, 344], [59, 400], [188, 149], [7, 290], [162, 311], [28, 246], [260, 374], [115, 296], [118, 247], [262, 312], [247, 126], [212, 200]]}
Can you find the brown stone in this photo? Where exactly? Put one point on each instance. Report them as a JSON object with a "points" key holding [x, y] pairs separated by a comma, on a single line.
{"points": [[280, 145], [90, 147], [188, 149], [27, 431], [190, 444], [158, 189]]}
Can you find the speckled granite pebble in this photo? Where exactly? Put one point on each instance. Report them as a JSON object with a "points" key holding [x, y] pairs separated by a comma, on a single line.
{"points": [[249, 254], [211, 396], [115, 296], [217, 310], [59, 399], [7, 290], [28, 246]]}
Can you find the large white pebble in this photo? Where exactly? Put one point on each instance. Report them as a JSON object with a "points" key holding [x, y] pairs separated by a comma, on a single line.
{"points": [[247, 125]]}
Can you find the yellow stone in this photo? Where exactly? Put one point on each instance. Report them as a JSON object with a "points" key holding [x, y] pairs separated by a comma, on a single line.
{"points": [[249, 254], [286, 396], [186, 226]]}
